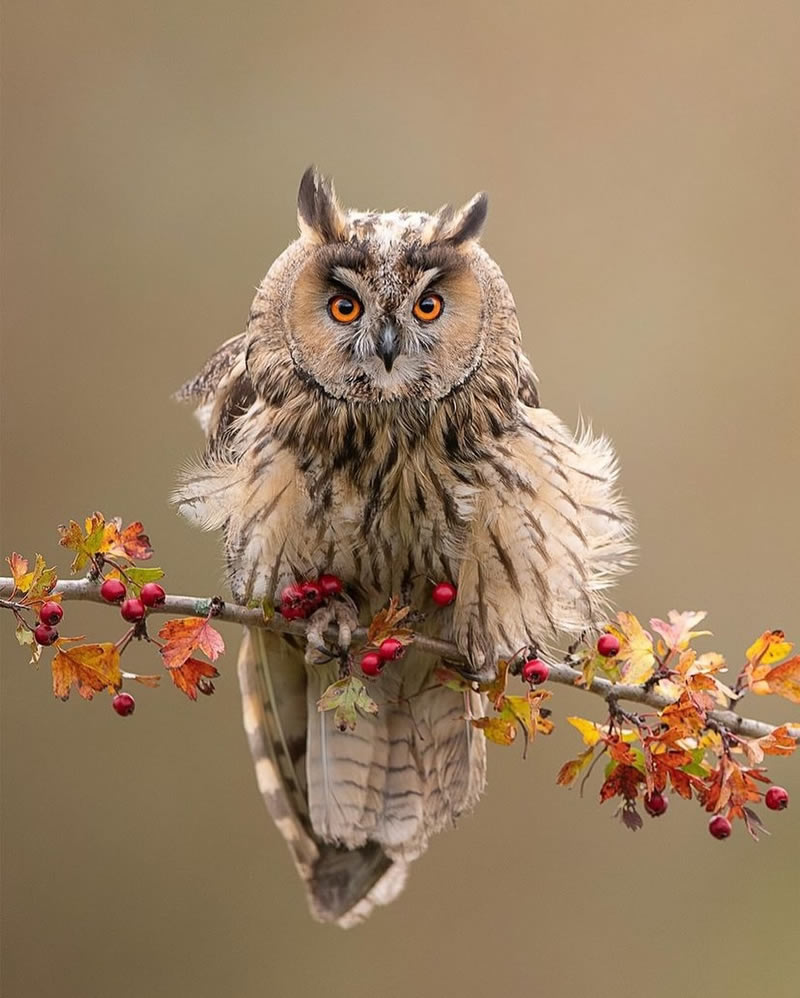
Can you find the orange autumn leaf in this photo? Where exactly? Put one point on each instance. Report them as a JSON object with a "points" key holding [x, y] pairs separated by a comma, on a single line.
{"points": [[386, 624], [92, 668], [185, 634], [135, 542], [570, 771], [783, 679], [192, 677], [19, 571]]}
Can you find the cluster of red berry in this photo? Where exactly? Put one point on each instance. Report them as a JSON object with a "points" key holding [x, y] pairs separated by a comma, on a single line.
{"points": [[372, 662], [133, 610], [45, 631], [302, 598]]}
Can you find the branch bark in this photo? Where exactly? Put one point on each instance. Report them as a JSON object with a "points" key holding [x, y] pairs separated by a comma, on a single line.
{"points": [[195, 606]]}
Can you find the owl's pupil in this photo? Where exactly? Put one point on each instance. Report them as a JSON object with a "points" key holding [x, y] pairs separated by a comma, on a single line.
{"points": [[345, 305], [427, 305]]}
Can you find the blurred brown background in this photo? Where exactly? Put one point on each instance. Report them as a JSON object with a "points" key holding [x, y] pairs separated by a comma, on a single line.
{"points": [[642, 161]]}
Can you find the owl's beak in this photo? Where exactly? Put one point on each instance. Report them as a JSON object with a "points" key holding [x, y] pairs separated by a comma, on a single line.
{"points": [[388, 345]]}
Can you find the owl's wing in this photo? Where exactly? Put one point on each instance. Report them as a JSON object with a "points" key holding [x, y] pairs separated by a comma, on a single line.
{"points": [[344, 884], [549, 535], [528, 391]]}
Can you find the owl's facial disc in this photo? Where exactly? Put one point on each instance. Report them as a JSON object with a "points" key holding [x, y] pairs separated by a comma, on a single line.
{"points": [[378, 320]]}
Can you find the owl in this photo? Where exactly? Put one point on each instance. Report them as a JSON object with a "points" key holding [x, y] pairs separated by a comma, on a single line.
{"points": [[377, 420]]}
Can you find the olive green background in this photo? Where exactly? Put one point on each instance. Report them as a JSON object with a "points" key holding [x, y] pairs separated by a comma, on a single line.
{"points": [[642, 161]]}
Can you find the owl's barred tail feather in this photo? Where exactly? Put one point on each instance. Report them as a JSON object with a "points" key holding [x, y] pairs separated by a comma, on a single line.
{"points": [[356, 807]]}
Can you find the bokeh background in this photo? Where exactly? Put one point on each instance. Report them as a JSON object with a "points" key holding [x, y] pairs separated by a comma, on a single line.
{"points": [[642, 161]]}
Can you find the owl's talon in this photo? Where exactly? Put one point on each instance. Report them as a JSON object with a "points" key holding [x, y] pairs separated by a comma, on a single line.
{"points": [[347, 620]]}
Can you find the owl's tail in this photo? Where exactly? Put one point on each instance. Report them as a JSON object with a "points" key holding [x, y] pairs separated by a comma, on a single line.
{"points": [[355, 807]]}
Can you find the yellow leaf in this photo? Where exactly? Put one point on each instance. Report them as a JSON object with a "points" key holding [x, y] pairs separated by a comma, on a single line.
{"points": [[636, 650], [769, 648], [501, 730], [590, 732]]}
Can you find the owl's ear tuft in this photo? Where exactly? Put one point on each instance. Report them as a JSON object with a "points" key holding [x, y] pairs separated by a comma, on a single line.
{"points": [[467, 222], [319, 214]]}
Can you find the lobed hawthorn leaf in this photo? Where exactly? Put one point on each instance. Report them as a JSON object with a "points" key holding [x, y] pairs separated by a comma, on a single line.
{"points": [[36, 585], [138, 577], [135, 542], [19, 572], [99, 536], [92, 668], [592, 733], [501, 730], [636, 656], [572, 769], [192, 677], [783, 679], [183, 635], [386, 624], [771, 647], [347, 697], [678, 633], [26, 639]]}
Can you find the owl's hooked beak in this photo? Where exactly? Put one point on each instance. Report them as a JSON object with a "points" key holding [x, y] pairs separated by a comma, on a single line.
{"points": [[388, 345]]}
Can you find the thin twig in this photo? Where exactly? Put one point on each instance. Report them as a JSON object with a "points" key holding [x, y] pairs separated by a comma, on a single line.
{"points": [[195, 606]]}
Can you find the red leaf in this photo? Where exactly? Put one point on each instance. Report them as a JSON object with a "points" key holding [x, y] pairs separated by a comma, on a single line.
{"points": [[184, 634], [194, 677]]}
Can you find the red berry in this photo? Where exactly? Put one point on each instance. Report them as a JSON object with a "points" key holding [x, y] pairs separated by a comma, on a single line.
{"points": [[371, 664], [655, 804], [331, 585], [123, 704], [113, 591], [45, 635], [51, 613], [293, 612], [776, 798], [132, 610], [535, 671], [390, 649], [719, 827], [312, 593], [292, 595], [152, 594], [444, 593], [608, 645]]}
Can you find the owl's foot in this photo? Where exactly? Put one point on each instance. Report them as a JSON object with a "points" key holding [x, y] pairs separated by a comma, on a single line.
{"points": [[319, 649]]}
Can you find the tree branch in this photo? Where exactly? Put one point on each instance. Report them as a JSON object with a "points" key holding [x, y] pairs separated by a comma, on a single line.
{"points": [[194, 606]]}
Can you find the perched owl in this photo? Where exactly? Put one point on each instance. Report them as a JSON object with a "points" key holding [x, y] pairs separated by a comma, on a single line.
{"points": [[377, 420]]}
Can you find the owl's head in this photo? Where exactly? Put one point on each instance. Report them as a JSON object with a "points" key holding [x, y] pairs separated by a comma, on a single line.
{"points": [[378, 307]]}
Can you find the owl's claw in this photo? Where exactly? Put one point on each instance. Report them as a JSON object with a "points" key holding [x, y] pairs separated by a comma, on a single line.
{"points": [[318, 650]]}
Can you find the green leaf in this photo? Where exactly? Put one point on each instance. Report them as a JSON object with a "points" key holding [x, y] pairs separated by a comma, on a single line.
{"points": [[138, 576], [346, 697]]}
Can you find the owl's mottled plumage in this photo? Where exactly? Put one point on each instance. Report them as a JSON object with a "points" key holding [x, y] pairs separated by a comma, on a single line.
{"points": [[391, 451]]}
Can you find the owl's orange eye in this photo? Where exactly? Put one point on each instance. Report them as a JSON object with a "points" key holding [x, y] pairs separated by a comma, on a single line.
{"points": [[428, 308], [344, 308]]}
